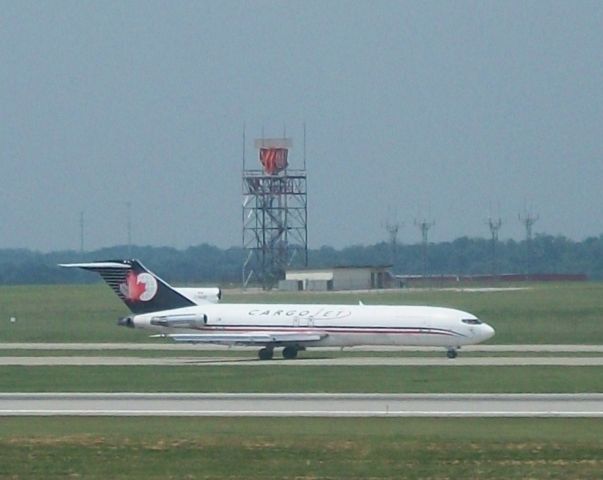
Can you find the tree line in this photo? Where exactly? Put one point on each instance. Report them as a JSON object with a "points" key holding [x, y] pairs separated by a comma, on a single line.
{"points": [[212, 265]]}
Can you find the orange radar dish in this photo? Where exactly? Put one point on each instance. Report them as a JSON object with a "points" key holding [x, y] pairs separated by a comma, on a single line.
{"points": [[274, 160]]}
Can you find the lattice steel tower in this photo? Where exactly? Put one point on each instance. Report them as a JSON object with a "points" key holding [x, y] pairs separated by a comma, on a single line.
{"points": [[275, 214], [528, 220]]}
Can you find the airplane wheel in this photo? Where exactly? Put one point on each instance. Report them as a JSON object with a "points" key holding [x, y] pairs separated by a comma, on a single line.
{"points": [[451, 353], [266, 354], [289, 353]]}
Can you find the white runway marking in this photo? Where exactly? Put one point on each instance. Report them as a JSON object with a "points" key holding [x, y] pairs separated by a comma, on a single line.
{"points": [[315, 405]]}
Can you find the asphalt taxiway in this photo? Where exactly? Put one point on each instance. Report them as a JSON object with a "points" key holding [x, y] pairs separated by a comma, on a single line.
{"points": [[302, 405], [553, 355], [251, 360]]}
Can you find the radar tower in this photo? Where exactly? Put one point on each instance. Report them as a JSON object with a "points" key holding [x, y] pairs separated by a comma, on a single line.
{"points": [[275, 214]]}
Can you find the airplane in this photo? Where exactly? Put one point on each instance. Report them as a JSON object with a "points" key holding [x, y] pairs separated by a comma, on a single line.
{"points": [[196, 316]]}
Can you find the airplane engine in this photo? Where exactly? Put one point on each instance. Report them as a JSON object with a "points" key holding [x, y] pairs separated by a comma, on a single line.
{"points": [[201, 295], [126, 322], [180, 321]]}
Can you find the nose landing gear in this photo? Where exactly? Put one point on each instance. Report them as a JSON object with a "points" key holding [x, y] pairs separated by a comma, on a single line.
{"points": [[451, 353]]}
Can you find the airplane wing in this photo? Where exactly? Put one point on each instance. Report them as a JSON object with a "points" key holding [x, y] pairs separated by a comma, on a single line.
{"points": [[247, 338]]}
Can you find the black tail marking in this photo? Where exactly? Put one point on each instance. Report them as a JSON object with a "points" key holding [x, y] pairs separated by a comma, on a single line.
{"points": [[140, 289]]}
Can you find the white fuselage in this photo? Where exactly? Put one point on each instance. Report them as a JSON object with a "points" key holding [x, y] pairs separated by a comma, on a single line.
{"points": [[344, 325]]}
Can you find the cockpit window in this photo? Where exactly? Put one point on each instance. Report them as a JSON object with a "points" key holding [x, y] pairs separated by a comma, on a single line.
{"points": [[471, 321]]}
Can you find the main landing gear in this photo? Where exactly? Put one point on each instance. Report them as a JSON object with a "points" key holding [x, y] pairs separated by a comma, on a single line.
{"points": [[266, 353], [289, 353]]}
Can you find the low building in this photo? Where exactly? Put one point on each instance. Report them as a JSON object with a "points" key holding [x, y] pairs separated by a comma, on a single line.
{"points": [[338, 278], [446, 279]]}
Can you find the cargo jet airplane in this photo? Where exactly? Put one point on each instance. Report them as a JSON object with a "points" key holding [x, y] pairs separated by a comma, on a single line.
{"points": [[195, 316]]}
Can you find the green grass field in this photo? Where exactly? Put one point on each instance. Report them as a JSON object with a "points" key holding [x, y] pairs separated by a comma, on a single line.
{"points": [[265, 448], [278, 379], [544, 313]]}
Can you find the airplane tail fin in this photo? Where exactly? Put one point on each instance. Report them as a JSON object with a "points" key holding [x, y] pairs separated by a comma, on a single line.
{"points": [[140, 289]]}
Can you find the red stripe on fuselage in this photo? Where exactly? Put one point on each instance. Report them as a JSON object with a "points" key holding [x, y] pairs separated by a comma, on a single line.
{"points": [[356, 330]]}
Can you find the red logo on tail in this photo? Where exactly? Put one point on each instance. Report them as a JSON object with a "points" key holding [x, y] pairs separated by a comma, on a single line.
{"points": [[139, 288]]}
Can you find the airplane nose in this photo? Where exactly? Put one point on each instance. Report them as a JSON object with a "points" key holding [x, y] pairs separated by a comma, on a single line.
{"points": [[488, 331]]}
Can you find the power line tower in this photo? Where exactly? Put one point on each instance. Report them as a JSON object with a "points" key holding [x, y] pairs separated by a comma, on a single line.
{"points": [[275, 214], [392, 228], [528, 220], [494, 225], [424, 226]]}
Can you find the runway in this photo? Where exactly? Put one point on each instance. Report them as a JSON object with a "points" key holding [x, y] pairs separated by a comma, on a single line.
{"points": [[327, 405], [302, 405], [252, 361], [179, 347], [108, 355]]}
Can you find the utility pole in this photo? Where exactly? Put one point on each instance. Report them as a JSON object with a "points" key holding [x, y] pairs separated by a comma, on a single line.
{"points": [[494, 224], [424, 226], [82, 232], [528, 220], [129, 227]]}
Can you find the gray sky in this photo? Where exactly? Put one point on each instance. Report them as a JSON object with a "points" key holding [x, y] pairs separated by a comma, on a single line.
{"points": [[442, 109]]}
